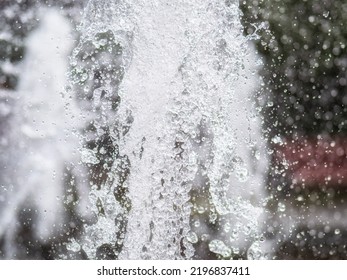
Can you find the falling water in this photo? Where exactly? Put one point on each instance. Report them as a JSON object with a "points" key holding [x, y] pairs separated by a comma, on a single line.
{"points": [[154, 148], [165, 91]]}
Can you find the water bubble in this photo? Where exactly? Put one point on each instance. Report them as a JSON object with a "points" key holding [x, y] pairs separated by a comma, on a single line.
{"points": [[201, 209], [196, 223]]}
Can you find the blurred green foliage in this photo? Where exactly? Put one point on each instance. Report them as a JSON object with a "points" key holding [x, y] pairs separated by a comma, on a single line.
{"points": [[303, 43], [17, 18]]}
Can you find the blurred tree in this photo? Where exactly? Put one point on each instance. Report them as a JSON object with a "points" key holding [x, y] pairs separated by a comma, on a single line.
{"points": [[303, 45], [18, 18]]}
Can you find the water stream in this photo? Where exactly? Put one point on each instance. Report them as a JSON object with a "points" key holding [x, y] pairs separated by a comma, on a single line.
{"points": [[157, 132], [168, 87]]}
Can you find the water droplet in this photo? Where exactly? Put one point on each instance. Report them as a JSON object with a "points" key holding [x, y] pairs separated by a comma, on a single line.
{"points": [[326, 14], [236, 250], [196, 223], [192, 237], [234, 234], [219, 247], [257, 155], [227, 227], [73, 246], [242, 174], [213, 217], [277, 140], [201, 209], [88, 156], [281, 207], [205, 237], [254, 252], [84, 77]]}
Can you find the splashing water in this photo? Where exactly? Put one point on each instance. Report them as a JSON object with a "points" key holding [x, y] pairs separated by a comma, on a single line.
{"points": [[157, 128], [165, 91], [38, 146]]}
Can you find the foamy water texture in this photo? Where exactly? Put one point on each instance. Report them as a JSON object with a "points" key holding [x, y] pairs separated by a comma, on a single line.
{"points": [[166, 92]]}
